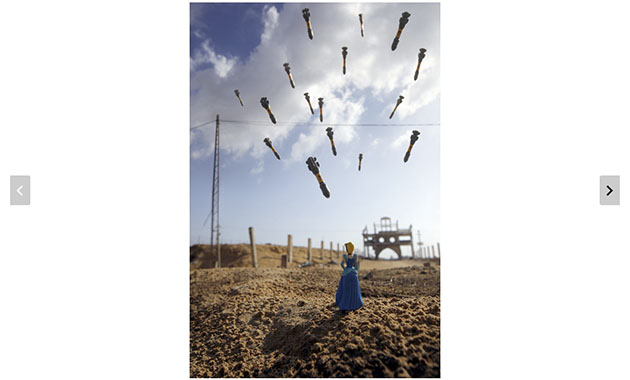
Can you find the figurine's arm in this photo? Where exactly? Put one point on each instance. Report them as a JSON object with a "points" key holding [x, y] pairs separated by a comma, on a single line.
{"points": [[356, 265]]}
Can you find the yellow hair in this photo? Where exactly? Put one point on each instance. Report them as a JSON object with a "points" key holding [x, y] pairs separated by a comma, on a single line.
{"points": [[349, 247]]}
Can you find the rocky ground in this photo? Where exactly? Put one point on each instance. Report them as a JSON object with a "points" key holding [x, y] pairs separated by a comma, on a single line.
{"points": [[271, 322]]}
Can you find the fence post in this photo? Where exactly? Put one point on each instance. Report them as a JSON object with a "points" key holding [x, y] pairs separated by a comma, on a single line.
{"points": [[253, 244], [283, 263], [433, 251], [321, 250], [309, 255], [439, 254], [331, 251], [337, 251], [290, 248]]}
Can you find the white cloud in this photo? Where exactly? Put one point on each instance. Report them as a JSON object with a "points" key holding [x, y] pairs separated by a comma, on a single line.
{"points": [[270, 22], [401, 140], [222, 64], [375, 77]]}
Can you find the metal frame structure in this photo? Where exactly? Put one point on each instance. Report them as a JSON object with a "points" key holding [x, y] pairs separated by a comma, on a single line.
{"points": [[386, 236]]}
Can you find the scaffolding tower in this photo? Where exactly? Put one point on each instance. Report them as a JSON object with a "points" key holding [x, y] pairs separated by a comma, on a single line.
{"points": [[386, 236]]}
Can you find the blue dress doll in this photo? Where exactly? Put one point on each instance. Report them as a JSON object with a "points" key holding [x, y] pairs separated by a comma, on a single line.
{"points": [[348, 295]]}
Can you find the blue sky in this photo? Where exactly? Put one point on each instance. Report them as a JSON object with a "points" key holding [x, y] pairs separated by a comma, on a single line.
{"points": [[244, 46]]}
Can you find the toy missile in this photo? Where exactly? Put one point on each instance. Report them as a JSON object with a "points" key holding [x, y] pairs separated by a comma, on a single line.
{"points": [[361, 21], [321, 105], [268, 143], [400, 99], [344, 53], [307, 17], [330, 133], [265, 104], [420, 58], [401, 25], [238, 95], [308, 100], [288, 70], [313, 166], [414, 138], [360, 158]]}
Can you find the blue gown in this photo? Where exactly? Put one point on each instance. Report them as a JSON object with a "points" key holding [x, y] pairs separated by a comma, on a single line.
{"points": [[348, 295]]}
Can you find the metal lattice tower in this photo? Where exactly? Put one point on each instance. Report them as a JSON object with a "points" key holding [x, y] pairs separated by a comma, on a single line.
{"points": [[215, 234]]}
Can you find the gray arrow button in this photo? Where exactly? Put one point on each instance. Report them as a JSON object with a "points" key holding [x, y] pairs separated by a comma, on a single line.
{"points": [[609, 190], [20, 190]]}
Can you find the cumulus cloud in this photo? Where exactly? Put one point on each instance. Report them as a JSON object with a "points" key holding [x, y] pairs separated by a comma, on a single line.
{"points": [[222, 64], [375, 77]]}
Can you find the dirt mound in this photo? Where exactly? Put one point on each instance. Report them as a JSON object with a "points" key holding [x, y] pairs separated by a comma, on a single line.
{"points": [[284, 322]]}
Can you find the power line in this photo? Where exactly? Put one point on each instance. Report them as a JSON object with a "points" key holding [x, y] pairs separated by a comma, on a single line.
{"points": [[204, 124], [321, 124], [333, 124]]}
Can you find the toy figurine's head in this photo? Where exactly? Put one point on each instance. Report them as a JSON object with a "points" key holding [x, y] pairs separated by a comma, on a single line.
{"points": [[349, 247]]}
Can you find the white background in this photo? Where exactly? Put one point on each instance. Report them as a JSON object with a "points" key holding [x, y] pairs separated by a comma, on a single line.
{"points": [[94, 107]]}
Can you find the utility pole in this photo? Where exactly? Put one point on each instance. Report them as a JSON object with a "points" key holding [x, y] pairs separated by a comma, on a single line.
{"points": [[215, 234]]}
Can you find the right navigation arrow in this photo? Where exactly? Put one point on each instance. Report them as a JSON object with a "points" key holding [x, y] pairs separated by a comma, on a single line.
{"points": [[609, 190]]}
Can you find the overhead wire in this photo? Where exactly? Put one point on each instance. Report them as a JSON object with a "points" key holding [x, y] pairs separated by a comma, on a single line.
{"points": [[319, 124], [202, 125]]}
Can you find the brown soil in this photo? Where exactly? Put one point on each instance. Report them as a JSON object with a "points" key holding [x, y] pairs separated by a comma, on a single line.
{"points": [[269, 256], [272, 322]]}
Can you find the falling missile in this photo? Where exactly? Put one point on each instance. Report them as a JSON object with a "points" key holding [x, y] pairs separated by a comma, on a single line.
{"points": [[308, 100], [321, 106], [361, 21], [288, 70], [344, 53], [307, 17], [238, 95], [360, 158], [265, 104], [313, 166], [414, 138], [420, 58], [400, 99], [268, 143], [401, 25], [329, 132]]}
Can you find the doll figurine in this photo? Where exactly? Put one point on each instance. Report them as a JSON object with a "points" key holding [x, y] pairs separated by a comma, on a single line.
{"points": [[348, 295]]}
